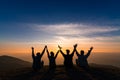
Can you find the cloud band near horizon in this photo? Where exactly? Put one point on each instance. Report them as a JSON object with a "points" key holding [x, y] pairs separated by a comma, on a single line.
{"points": [[79, 32]]}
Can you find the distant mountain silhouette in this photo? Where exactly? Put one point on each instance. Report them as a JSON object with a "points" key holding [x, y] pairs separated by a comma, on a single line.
{"points": [[8, 63]]}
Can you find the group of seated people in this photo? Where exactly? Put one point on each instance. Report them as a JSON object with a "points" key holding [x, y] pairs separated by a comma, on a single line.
{"points": [[68, 58]]}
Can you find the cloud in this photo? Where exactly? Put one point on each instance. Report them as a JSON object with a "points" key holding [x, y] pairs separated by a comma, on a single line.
{"points": [[82, 39], [74, 29], [67, 33]]}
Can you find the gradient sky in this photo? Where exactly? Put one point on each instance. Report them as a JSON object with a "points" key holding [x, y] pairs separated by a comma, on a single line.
{"points": [[26, 23]]}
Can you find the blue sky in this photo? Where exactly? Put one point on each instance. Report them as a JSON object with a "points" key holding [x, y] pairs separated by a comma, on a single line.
{"points": [[59, 11], [59, 20]]}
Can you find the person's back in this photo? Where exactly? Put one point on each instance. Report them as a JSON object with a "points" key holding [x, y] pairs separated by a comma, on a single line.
{"points": [[68, 60], [52, 58], [82, 60], [52, 63], [37, 63]]}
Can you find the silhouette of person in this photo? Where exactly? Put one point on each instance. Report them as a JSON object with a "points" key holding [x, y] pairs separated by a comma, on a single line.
{"points": [[51, 57], [82, 59], [37, 62], [68, 58]]}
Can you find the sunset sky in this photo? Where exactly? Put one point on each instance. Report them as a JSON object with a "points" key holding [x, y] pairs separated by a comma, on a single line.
{"points": [[26, 23]]}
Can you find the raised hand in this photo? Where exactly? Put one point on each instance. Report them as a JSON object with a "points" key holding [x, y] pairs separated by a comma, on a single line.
{"points": [[59, 47], [32, 48], [33, 55], [75, 45], [91, 48], [45, 46]]}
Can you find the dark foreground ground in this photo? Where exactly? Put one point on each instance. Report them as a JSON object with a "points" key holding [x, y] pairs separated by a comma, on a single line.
{"points": [[60, 73]]}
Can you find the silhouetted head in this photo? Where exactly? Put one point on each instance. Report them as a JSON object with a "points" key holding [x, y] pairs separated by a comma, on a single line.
{"points": [[67, 51], [82, 52], [38, 54], [52, 54]]}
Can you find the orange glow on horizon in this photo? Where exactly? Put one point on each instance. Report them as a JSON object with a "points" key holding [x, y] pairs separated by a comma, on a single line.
{"points": [[26, 47], [23, 50]]}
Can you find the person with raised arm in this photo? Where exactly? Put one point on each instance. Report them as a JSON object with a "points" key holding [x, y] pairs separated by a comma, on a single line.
{"points": [[52, 59], [68, 58], [82, 59], [37, 62]]}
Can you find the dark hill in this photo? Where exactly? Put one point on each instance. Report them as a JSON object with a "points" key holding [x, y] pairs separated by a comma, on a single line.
{"points": [[95, 72], [9, 63], [16, 69]]}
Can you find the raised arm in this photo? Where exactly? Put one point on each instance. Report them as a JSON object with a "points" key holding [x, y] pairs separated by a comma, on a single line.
{"points": [[61, 50], [47, 52], [89, 51], [74, 49], [33, 55], [43, 51], [57, 53], [62, 53]]}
